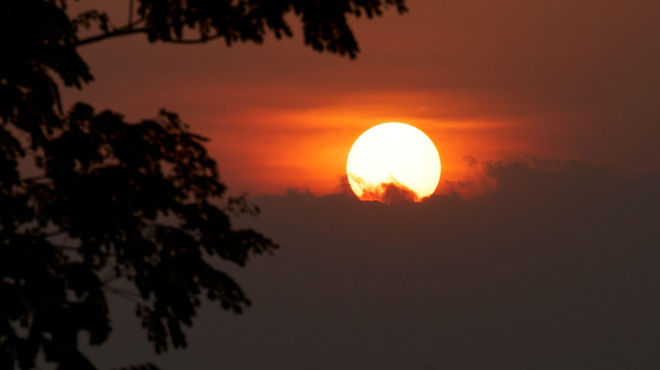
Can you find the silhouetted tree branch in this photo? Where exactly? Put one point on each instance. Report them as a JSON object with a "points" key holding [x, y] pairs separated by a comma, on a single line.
{"points": [[120, 32], [131, 31], [138, 201]]}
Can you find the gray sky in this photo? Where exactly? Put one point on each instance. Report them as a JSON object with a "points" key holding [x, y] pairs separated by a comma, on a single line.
{"points": [[554, 269]]}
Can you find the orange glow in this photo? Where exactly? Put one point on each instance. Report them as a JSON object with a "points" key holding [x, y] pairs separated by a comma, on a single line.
{"points": [[495, 84], [270, 149], [393, 154], [303, 141]]}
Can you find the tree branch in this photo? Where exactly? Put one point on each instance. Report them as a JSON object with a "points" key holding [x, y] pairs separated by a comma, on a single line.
{"points": [[66, 248], [34, 178], [129, 30], [122, 291], [194, 41], [119, 32], [122, 294], [130, 14], [112, 275], [56, 233]]}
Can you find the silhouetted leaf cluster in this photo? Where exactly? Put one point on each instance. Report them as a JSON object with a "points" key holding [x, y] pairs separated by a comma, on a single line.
{"points": [[88, 200], [134, 201], [324, 23]]}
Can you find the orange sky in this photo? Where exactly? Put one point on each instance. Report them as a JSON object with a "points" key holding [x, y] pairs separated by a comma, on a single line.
{"points": [[558, 78]]}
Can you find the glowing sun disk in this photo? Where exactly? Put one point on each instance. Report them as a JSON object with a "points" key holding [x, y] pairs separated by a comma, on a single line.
{"points": [[393, 154]]}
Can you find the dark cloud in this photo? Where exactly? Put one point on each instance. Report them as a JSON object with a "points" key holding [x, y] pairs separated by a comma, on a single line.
{"points": [[385, 192], [556, 266]]}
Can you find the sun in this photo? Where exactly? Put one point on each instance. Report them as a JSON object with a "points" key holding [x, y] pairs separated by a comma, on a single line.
{"points": [[393, 159]]}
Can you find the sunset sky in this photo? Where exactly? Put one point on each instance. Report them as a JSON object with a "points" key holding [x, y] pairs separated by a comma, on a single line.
{"points": [[559, 79], [539, 249]]}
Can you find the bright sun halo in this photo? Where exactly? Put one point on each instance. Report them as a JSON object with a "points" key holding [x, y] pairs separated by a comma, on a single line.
{"points": [[393, 154]]}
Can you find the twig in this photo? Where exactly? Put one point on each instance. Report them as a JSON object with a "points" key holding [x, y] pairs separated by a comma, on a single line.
{"points": [[55, 233], [195, 41], [128, 295], [66, 248], [129, 30], [130, 14], [119, 32]]}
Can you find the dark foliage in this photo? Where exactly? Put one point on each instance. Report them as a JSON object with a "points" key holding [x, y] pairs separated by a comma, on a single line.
{"points": [[134, 201], [88, 200]]}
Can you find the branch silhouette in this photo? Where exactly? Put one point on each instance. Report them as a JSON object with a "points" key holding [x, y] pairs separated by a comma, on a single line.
{"points": [[124, 31], [139, 202]]}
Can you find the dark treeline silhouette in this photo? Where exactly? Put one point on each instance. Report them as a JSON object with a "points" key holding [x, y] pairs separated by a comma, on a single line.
{"points": [[87, 199]]}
